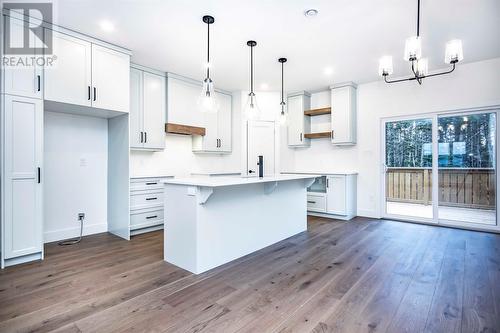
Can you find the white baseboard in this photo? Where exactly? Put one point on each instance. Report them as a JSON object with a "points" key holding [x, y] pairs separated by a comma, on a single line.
{"points": [[60, 234], [369, 213]]}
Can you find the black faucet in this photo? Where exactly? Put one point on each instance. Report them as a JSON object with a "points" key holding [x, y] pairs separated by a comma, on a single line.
{"points": [[261, 166]]}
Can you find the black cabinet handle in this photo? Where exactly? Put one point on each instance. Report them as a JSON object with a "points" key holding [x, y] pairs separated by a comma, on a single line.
{"points": [[300, 136], [145, 136], [147, 199], [38, 80], [152, 183], [311, 202], [141, 137], [151, 217], [327, 183], [39, 175], [89, 93], [95, 94]]}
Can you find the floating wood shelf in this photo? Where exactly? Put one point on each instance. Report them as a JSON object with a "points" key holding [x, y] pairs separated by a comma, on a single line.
{"points": [[317, 112], [318, 135], [184, 129]]}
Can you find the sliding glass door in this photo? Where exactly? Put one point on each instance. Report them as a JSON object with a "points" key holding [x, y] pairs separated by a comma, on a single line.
{"points": [[467, 168], [441, 169], [408, 168]]}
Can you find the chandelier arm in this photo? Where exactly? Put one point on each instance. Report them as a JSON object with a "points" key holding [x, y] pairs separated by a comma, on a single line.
{"points": [[442, 73], [399, 80]]}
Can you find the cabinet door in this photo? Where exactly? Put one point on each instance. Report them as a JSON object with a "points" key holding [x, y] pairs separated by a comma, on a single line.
{"points": [[69, 79], [344, 115], [224, 122], [136, 108], [154, 111], [23, 148], [295, 121], [110, 79], [23, 80], [336, 195], [210, 139]]}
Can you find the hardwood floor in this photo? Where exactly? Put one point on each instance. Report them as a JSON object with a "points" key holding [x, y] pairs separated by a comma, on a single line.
{"points": [[358, 276]]}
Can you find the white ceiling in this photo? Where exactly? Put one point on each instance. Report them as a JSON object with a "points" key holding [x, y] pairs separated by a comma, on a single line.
{"points": [[347, 36]]}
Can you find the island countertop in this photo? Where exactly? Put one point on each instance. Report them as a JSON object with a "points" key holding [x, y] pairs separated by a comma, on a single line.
{"points": [[230, 181]]}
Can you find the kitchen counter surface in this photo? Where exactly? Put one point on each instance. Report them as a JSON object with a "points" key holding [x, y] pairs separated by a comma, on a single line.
{"points": [[229, 181]]}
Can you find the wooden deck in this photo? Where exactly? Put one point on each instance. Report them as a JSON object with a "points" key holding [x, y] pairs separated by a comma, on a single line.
{"points": [[359, 276]]}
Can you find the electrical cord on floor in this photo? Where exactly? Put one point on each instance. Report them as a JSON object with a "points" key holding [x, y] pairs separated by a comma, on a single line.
{"points": [[73, 241]]}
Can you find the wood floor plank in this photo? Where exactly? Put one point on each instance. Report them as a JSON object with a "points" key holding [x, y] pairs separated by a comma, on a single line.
{"points": [[363, 275]]}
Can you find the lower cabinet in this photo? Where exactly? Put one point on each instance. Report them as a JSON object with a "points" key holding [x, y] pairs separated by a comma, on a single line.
{"points": [[146, 204], [22, 192], [333, 196]]}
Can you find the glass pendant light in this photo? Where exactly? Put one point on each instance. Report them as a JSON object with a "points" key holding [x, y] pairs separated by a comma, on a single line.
{"points": [[251, 109], [283, 116], [208, 101]]}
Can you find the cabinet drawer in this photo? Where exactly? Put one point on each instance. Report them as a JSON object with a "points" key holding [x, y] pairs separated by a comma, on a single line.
{"points": [[316, 203], [146, 219], [146, 199], [142, 184]]}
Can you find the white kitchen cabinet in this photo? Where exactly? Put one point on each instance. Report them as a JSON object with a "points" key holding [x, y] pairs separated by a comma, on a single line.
{"points": [[87, 74], [341, 195], [298, 124], [23, 80], [183, 109], [343, 116], [110, 79], [22, 178], [69, 79], [146, 204], [147, 110]]}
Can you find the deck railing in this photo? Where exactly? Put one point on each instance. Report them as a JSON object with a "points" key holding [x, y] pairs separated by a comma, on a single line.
{"points": [[459, 187]]}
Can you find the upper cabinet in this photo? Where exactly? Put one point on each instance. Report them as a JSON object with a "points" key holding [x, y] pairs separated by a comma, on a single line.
{"points": [[22, 80], [298, 124], [147, 110], [343, 112], [70, 79], [183, 109], [87, 74]]}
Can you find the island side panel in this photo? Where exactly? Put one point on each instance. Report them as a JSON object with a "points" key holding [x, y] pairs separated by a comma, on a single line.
{"points": [[238, 220], [179, 239]]}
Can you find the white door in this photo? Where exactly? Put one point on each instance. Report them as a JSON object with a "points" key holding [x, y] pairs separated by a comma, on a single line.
{"points": [[68, 80], [23, 80], [22, 184], [224, 122], [260, 141], [136, 109], [110, 79], [336, 195], [154, 111]]}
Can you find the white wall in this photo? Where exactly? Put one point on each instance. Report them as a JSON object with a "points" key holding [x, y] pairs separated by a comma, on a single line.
{"points": [[75, 174], [471, 85]]}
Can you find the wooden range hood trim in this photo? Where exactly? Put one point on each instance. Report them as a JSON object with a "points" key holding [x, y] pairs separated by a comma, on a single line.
{"points": [[318, 135], [184, 129]]}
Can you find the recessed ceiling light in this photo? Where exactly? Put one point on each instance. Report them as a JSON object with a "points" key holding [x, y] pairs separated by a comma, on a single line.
{"points": [[328, 71], [107, 25], [311, 12], [264, 86]]}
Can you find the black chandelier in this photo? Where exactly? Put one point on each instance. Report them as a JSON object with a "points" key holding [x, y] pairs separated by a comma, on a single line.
{"points": [[419, 65]]}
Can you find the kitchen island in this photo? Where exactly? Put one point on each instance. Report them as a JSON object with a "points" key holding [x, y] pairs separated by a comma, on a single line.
{"points": [[210, 221]]}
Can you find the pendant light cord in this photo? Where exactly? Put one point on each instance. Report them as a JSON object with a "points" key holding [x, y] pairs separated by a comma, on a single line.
{"points": [[418, 18], [208, 50], [251, 69], [282, 86]]}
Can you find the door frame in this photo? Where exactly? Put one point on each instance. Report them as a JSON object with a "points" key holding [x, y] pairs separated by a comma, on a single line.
{"points": [[435, 170]]}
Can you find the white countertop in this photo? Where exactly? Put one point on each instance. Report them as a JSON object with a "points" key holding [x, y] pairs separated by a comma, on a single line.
{"points": [[229, 181], [339, 172]]}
